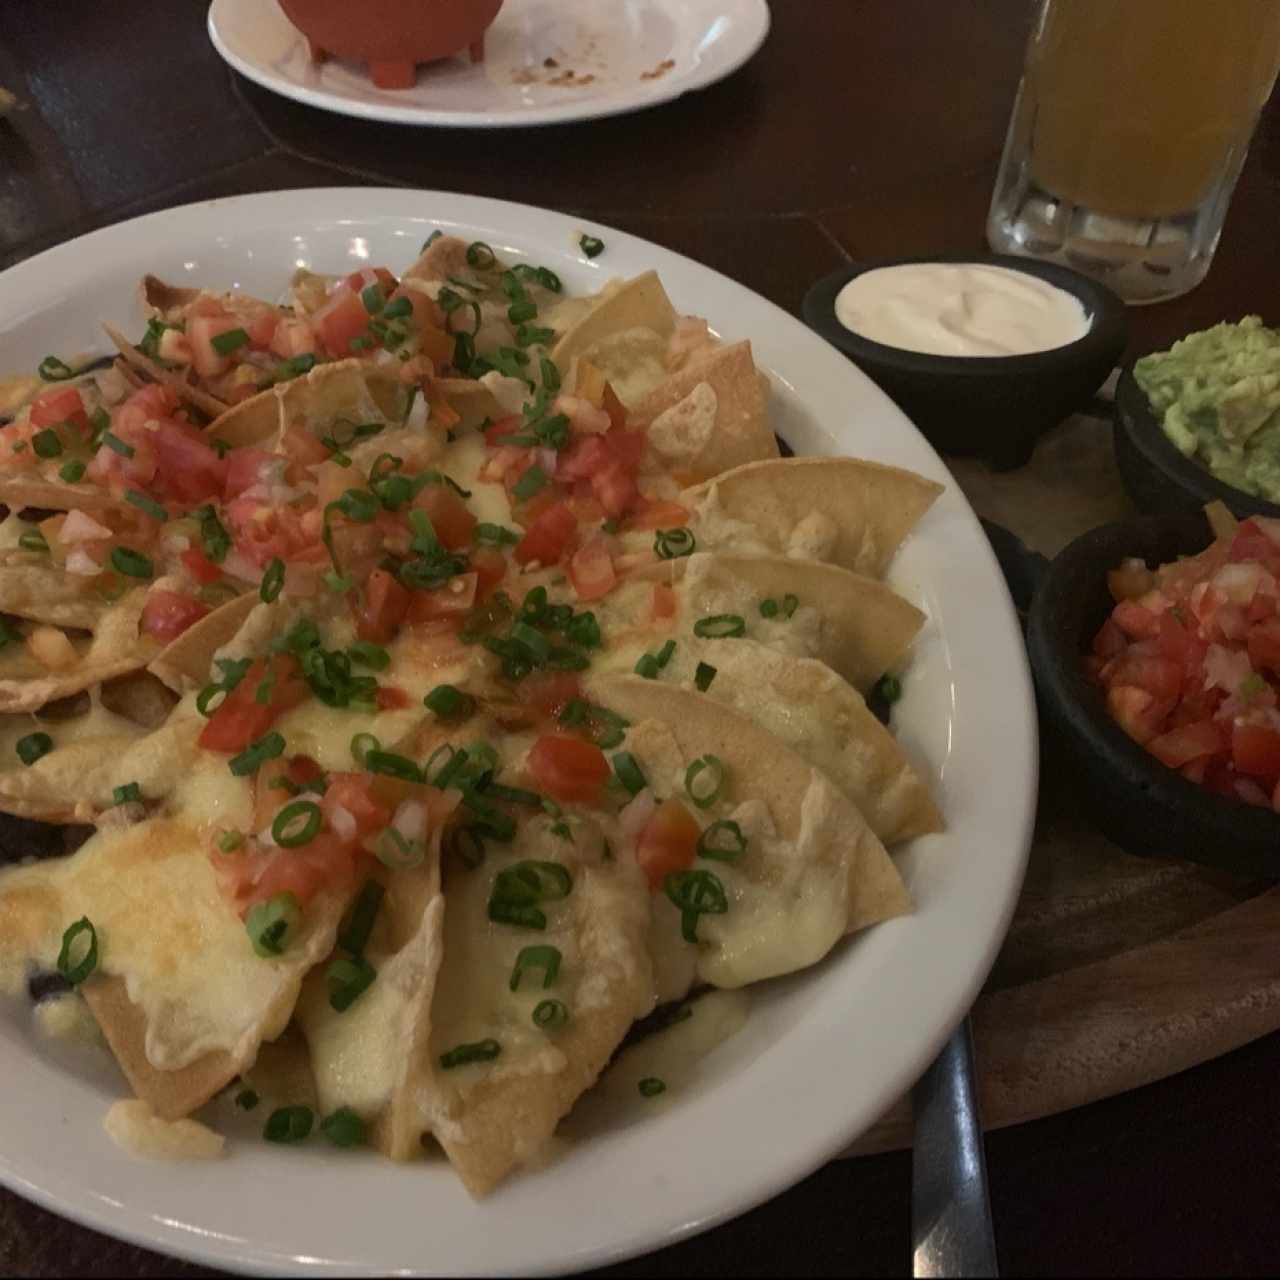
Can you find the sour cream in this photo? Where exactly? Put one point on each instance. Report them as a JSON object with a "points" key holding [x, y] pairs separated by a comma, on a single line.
{"points": [[960, 309]]}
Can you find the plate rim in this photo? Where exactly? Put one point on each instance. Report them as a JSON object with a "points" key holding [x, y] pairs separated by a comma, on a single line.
{"points": [[666, 90], [377, 204]]}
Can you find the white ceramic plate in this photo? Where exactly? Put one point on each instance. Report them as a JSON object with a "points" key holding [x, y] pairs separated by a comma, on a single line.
{"points": [[823, 1054], [624, 55]]}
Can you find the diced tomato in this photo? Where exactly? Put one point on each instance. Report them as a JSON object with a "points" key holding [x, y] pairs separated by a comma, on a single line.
{"points": [[663, 607], [583, 458], [490, 567], [167, 614], [1134, 620], [1251, 543], [245, 468], [549, 536], [500, 430], [1261, 607], [59, 405], [341, 321], [359, 281], [669, 842], [591, 569], [302, 447], [1137, 712], [1160, 677], [450, 518], [258, 320], [614, 488], [426, 315], [187, 467], [354, 793], [568, 769], [627, 447], [452, 602], [616, 410], [383, 609], [392, 698], [658, 515], [1188, 742], [1110, 640], [1264, 645], [294, 336], [241, 718], [324, 862], [207, 361], [200, 567], [549, 691], [264, 532], [1255, 750]]}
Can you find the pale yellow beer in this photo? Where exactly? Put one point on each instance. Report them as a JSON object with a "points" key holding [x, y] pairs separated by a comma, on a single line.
{"points": [[1140, 107]]}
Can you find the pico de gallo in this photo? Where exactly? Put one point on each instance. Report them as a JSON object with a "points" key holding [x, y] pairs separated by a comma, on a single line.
{"points": [[1189, 659]]}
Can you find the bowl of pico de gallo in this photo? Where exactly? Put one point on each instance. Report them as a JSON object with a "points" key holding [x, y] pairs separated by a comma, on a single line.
{"points": [[1155, 644]]}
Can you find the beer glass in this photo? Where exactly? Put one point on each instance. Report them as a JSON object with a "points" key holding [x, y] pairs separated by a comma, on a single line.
{"points": [[1128, 134]]}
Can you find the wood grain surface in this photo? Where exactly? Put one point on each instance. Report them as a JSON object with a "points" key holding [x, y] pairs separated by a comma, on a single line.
{"points": [[862, 128]]}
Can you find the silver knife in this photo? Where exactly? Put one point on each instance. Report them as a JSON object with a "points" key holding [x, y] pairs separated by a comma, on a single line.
{"points": [[950, 1209]]}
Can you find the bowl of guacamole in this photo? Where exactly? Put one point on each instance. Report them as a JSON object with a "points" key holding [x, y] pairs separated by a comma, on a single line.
{"points": [[1202, 421]]}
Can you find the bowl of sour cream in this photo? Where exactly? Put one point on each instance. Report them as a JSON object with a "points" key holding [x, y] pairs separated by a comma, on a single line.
{"points": [[984, 352]]}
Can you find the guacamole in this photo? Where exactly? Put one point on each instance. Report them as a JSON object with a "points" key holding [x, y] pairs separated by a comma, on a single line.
{"points": [[1217, 395]]}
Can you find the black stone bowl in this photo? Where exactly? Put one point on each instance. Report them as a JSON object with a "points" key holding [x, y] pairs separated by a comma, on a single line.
{"points": [[993, 406], [1136, 801], [1158, 478]]}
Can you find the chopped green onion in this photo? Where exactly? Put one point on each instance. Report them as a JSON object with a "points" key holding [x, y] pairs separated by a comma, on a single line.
{"points": [[33, 540], [130, 793], [247, 1099], [722, 841], [671, 544], [480, 1051], [46, 443], [225, 343], [397, 308], [494, 535], [480, 256], [431, 239], [51, 369], [272, 581], [449, 703], [133, 564], [344, 1128], [148, 504], [393, 765], [540, 957], [790, 604], [720, 626], [270, 923], [348, 978], [230, 841], [33, 746], [370, 655], [354, 935], [651, 1086], [550, 1015], [695, 893], [628, 772], [397, 851], [888, 689], [532, 641], [72, 472], [528, 335], [373, 298], [289, 1124], [295, 367], [8, 634], [592, 246], [76, 959], [665, 653], [362, 744], [768, 608], [704, 780], [114, 443], [530, 483], [213, 536], [519, 312], [253, 757], [358, 505], [647, 666], [298, 823], [100, 421]]}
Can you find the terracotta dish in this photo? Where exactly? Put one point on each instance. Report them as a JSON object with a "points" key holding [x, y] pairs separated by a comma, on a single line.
{"points": [[392, 36]]}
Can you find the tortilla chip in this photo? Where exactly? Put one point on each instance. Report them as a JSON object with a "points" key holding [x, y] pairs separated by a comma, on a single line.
{"points": [[862, 628], [175, 379], [711, 416], [19, 492], [41, 592], [185, 663], [492, 1117], [194, 1015], [804, 704], [350, 390], [641, 303], [162, 299], [842, 510], [114, 649], [471, 400], [445, 256], [793, 894]]}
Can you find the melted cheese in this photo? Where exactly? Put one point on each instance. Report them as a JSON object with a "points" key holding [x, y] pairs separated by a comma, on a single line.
{"points": [[135, 1128]]}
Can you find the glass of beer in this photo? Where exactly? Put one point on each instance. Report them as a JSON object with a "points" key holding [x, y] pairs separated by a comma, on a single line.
{"points": [[1129, 131]]}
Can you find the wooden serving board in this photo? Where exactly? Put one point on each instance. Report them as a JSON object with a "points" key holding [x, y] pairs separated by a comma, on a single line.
{"points": [[1117, 970]]}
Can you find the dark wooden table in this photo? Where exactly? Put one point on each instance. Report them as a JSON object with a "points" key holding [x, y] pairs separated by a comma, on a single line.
{"points": [[862, 128]]}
